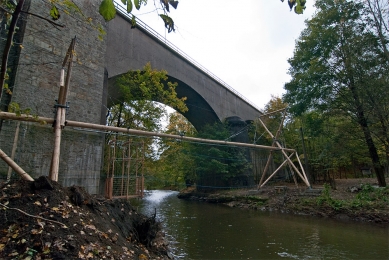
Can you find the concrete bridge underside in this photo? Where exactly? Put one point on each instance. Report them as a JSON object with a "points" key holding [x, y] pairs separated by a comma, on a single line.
{"points": [[207, 99]]}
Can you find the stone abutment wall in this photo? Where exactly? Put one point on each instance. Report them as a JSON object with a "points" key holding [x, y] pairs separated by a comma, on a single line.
{"points": [[36, 85]]}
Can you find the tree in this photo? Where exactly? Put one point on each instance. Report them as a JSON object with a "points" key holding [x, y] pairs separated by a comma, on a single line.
{"points": [[335, 57], [219, 166], [175, 165], [140, 90], [149, 85], [12, 26]]}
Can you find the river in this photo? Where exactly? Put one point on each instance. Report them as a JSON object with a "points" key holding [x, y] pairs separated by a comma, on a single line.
{"points": [[198, 230]]}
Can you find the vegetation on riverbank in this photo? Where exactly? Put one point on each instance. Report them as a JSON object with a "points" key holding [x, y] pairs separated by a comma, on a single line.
{"points": [[353, 199]]}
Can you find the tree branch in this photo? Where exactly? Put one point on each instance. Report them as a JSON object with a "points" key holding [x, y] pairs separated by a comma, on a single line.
{"points": [[25, 213], [48, 20]]}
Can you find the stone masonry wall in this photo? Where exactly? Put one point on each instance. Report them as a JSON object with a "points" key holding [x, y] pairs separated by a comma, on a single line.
{"points": [[37, 84]]}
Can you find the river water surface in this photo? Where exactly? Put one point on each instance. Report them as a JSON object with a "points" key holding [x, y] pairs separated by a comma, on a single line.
{"points": [[198, 230]]}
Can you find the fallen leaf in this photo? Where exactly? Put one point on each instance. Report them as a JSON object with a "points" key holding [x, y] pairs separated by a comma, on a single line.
{"points": [[90, 227], [38, 203], [35, 231], [42, 224]]}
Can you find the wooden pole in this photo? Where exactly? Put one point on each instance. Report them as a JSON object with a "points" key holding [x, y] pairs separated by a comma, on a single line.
{"points": [[15, 144], [279, 168], [128, 165], [15, 167], [266, 168], [122, 182], [276, 137], [142, 170], [287, 157], [59, 123], [305, 155], [23, 117]]}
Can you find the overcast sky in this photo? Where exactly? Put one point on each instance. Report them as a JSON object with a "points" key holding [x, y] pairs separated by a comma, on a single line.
{"points": [[245, 43]]}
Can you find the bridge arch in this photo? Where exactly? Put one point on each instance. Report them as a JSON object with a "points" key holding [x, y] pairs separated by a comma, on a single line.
{"points": [[199, 111], [209, 98]]}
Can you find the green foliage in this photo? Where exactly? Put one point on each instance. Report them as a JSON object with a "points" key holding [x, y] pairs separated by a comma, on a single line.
{"points": [[169, 23], [326, 199], [174, 166], [338, 69], [54, 13], [138, 111], [15, 108], [150, 84], [107, 10], [299, 5], [218, 165], [371, 197]]}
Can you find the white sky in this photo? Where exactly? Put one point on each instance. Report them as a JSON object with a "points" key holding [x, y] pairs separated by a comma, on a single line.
{"points": [[245, 43]]}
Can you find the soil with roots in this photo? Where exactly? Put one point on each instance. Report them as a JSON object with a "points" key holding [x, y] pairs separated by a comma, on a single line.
{"points": [[43, 220]]}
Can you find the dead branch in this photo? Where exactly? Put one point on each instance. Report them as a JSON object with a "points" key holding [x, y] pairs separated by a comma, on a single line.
{"points": [[48, 20], [39, 217]]}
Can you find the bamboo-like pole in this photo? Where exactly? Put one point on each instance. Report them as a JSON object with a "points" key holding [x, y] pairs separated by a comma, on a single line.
{"points": [[28, 118], [143, 160], [275, 139], [122, 182], [279, 168], [287, 157], [266, 168], [13, 116], [15, 167], [302, 168], [14, 146], [61, 111], [128, 165]]}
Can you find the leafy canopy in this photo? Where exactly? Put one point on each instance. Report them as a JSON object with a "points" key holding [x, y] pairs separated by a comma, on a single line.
{"points": [[149, 84]]}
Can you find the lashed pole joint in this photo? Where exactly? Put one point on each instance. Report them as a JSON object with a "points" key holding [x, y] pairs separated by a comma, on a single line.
{"points": [[61, 108]]}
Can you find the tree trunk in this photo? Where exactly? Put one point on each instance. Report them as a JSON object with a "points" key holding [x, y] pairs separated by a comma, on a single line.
{"points": [[8, 44], [378, 168]]}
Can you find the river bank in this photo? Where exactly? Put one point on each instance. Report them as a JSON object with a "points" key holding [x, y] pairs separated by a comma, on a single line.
{"points": [[43, 220], [352, 199]]}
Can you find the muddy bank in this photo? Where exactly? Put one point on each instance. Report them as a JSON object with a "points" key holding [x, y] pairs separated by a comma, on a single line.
{"points": [[43, 220], [352, 199]]}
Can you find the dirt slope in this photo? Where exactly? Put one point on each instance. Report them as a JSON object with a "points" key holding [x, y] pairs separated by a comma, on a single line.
{"points": [[43, 220]]}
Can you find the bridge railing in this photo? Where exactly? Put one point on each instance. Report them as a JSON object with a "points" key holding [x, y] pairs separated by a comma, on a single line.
{"points": [[174, 48]]}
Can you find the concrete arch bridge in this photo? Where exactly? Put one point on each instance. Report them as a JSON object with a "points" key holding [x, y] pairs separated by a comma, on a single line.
{"points": [[209, 99]]}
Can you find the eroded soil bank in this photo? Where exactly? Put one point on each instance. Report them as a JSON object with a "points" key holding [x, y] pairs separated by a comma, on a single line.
{"points": [[352, 199], [43, 220]]}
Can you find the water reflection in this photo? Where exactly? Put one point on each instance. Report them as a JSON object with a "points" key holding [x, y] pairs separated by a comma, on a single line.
{"points": [[208, 231]]}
